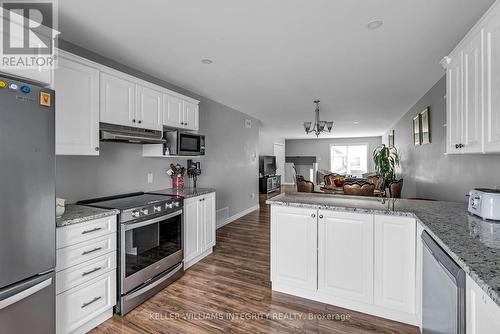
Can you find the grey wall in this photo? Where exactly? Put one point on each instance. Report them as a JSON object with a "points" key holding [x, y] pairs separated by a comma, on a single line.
{"points": [[266, 141], [321, 148], [230, 165], [426, 170]]}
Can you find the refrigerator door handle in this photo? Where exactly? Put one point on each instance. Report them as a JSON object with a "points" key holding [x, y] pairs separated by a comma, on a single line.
{"points": [[25, 293]]}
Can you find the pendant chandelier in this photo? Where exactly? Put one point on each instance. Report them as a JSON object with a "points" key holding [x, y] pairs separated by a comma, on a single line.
{"points": [[319, 126]]}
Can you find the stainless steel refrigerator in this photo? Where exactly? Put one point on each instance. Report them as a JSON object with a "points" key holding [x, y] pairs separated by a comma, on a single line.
{"points": [[27, 208]]}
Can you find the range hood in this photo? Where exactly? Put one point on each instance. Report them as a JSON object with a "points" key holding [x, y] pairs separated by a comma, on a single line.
{"points": [[128, 134]]}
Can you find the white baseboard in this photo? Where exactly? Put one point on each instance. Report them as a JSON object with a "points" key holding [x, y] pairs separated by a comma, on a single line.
{"points": [[237, 216]]}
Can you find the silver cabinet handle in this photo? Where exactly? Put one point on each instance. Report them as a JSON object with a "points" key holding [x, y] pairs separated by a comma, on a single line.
{"points": [[92, 230], [97, 148], [320, 216], [92, 251], [84, 305], [313, 215], [91, 271]]}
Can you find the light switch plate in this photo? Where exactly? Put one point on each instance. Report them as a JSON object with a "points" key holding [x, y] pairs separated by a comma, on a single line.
{"points": [[150, 177]]}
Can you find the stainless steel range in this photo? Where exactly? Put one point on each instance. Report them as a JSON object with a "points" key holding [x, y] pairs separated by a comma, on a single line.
{"points": [[150, 244]]}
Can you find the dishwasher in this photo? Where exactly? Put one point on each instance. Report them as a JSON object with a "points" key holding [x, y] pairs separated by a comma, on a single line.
{"points": [[443, 299]]}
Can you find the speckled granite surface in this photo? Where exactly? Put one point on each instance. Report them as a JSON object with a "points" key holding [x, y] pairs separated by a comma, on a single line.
{"points": [[75, 214], [184, 192], [473, 243]]}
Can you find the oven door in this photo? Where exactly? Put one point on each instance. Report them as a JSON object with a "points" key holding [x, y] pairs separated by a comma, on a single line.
{"points": [[190, 144], [148, 248]]}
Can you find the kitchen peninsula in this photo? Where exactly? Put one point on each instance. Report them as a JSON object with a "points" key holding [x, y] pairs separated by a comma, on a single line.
{"points": [[365, 254]]}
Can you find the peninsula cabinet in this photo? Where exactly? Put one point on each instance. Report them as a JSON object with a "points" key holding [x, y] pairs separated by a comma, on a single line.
{"points": [[345, 239], [294, 247], [482, 313], [199, 228], [473, 89], [358, 261], [76, 82]]}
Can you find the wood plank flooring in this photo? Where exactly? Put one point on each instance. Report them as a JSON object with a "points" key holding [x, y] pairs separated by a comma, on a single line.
{"points": [[230, 292]]}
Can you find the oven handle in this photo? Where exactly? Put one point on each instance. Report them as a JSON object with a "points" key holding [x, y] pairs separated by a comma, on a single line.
{"points": [[152, 221], [155, 283]]}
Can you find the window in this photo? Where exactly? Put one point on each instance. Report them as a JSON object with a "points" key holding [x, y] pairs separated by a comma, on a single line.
{"points": [[349, 159]]}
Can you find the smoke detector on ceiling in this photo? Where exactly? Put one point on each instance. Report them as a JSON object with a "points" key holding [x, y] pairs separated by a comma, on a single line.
{"points": [[375, 24]]}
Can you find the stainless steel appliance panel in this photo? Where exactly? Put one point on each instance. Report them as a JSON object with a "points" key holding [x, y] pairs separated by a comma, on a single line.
{"points": [[27, 183], [443, 291], [28, 307]]}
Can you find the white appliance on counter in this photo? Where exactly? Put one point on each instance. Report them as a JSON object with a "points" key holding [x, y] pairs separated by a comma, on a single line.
{"points": [[485, 203]]}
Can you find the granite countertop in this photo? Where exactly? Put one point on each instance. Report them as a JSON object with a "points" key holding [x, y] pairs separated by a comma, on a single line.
{"points": [[184, 192], [75, 214], [472, 242]]}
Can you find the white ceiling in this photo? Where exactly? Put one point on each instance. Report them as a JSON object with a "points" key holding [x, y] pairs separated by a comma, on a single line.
{"points": [[271, 59]]}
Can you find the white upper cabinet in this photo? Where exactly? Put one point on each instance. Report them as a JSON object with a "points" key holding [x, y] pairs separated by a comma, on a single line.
{"points": [[77, 106], [148, 112], [190, 120], [345, 255], [454, 104], [492, 81], [117, 100], [395, 263], [473, 89], [472, 95], [173, 111]]}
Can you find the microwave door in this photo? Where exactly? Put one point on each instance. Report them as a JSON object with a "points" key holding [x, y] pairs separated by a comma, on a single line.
{"points": [[189, 144]]}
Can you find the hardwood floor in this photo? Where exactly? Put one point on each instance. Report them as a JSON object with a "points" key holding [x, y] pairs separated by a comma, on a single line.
{"points": [[230, 292]]}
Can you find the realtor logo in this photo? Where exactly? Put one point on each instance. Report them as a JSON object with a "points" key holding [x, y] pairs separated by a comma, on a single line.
{"points": [[28, 34]]}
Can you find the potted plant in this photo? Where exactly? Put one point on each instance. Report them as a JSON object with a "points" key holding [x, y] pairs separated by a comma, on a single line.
{"points": [[386, 159]]}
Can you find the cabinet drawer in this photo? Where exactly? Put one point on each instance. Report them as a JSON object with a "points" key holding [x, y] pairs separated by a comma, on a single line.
{"points": [[77, 306], [76, 275], [84, 251], [73, 234]]}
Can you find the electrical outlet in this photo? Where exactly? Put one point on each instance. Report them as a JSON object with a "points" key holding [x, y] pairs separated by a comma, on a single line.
{"points": [[253, 195], [150, 177]]}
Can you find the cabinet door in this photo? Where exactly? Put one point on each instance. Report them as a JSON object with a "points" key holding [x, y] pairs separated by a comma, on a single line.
{"points": [[472, 102], [492, 83], [395, 263], [454, 104], [192, 237], [483, 314], [345, 255], [293, 247], [77, 112], [117, 100], [149, 108], [173, 112], [418, 276], [208, 205], [190, 116]]}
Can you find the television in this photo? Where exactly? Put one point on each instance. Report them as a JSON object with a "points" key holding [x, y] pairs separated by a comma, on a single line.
{"points": [[267, 165]]}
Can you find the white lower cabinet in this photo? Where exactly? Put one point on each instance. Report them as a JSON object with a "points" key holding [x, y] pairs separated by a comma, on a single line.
{"points": [[395, 263], [483, 314], [345, 255], [79, 306], [199, 228], [85, 275], [293, 247], [357, 261]]}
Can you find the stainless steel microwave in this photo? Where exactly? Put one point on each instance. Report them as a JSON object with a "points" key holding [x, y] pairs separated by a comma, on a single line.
{"points": [[183, 143]]}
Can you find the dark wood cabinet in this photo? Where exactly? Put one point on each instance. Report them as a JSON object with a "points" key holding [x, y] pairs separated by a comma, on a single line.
{"points": [[268, 184]]}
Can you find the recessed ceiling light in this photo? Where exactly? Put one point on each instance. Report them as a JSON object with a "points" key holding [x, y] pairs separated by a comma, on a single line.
{"points": [[375, 24], [207, 61], [356, 122]]}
